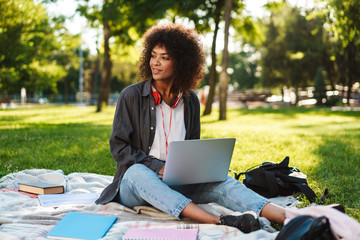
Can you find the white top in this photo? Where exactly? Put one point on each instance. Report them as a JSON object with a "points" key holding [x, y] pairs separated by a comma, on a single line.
{"points": [[177, 131]]}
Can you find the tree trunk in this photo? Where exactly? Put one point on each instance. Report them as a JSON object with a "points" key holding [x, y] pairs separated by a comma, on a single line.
{"points": [[95, 76], [106, 70], [66, 90], [213, 74], [351, 66], [296, 89], [330, 70], [224, 78], [341, 72]]}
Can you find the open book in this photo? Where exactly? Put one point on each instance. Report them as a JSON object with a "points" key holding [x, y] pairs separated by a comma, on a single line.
{"points": [[54, 200]]}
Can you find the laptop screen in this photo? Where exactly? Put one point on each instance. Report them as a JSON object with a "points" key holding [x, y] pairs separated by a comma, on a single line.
{"points": [[198, 161]]}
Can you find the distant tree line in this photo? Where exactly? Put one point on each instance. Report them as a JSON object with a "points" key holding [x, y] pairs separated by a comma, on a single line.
{"points": [[290, 46], [299, 44]]}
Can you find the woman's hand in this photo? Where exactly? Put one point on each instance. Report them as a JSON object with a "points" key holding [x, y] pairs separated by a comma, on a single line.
{"points": [[161, 172]]}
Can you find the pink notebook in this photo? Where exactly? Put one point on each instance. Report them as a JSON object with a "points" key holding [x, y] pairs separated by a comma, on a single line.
{"points": [[162, 233]]}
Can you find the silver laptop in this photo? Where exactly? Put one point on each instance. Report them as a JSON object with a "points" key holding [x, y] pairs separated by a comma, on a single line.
{"points": [[198, 161]]}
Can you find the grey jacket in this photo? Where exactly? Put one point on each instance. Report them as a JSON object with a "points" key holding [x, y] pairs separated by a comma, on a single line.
{"points": [[133, 132]]}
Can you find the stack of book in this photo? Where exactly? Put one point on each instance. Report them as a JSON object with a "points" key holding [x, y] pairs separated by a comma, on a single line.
{"points": [[50, 195]]}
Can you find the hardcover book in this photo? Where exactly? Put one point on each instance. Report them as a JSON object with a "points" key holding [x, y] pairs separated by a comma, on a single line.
{"points": [[77, 225], [41, 187]]}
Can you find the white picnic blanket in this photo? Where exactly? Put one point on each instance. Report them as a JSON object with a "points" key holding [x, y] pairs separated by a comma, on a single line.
{"points": [[22, 217]]}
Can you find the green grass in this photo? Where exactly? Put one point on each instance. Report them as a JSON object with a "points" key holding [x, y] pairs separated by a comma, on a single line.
{"points": [[322, 144]]}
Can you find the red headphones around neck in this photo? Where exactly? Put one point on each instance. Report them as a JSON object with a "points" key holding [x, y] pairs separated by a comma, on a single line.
{"points": [[158, 98]]}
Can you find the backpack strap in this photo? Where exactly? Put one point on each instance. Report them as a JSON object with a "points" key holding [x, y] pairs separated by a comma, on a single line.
{"points": [[285, 162], [306, 190], [236, 175], [271, 182]]}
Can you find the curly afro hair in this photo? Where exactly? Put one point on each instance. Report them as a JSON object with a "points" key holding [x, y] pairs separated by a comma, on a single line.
{"points": [[184, 47]]}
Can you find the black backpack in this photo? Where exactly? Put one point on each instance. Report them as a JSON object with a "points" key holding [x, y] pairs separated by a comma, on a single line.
{"points": [[274, 179], [305, 227]]}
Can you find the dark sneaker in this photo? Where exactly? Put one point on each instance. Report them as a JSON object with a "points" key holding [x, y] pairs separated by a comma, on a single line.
{"points": [[246, 222]]}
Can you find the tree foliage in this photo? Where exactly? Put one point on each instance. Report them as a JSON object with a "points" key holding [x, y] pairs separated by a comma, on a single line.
{"points": [[126, 20], [206, 16], [38, 53], [244, 70], [342, 22], [32, 48], [342, 18], [292, 50]]}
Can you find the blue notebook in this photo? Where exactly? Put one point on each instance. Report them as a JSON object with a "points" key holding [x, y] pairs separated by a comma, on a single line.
{"points": [[82, 226]]}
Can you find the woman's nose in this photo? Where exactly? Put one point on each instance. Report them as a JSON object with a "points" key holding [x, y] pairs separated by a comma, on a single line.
{"points": [[157, 62]]}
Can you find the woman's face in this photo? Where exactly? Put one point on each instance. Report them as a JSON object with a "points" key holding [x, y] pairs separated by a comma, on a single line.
{"points": [[162, 64]]}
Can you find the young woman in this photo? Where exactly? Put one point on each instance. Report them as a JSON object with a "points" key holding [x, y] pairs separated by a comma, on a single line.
{"points": [[163, 108]]}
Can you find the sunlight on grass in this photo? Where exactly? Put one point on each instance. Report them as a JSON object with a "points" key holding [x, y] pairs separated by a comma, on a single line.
{"points": [[322, 144], [56, 115]]}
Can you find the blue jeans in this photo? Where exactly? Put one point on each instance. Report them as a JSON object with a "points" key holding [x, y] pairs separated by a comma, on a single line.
{"points": [[141, 186]]}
